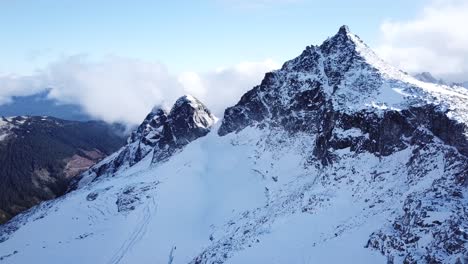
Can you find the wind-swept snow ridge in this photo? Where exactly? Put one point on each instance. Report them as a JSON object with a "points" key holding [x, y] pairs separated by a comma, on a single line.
{"points": [[335, 156]]}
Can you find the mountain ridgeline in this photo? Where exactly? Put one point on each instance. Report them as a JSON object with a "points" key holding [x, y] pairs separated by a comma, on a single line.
{"points": [[335, 156], [39, 156], [162, 133], [342, 80], [42, 104]]}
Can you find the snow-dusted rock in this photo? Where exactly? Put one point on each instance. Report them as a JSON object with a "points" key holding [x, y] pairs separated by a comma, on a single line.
{"points": [[161, 133], [335, 157]]}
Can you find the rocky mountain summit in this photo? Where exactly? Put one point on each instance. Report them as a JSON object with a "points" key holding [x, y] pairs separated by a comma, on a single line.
{"points": [[335, 156], [161, 134], [349, 99]]}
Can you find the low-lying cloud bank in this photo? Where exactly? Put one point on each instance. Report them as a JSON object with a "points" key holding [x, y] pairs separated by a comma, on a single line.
{"points": [[117, 89], [435, 40]]}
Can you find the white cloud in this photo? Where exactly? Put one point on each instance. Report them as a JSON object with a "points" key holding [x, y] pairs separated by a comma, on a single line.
{"points": [[12, 85], [114, 89], [118, 89], [435, 40], [224, 86]]}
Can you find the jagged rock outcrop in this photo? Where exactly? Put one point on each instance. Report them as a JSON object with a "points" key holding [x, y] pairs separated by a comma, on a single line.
{"points": [[341, 92], [188, 120], [341, 84], [161, 133], [335, 156], [143, 139]]}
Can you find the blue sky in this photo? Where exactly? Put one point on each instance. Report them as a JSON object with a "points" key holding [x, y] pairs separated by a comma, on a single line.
{"points": [[184, 35], [117, 59]]}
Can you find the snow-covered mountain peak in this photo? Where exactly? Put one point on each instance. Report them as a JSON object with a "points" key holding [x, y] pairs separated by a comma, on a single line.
{"points": [[346, 43], [335, 156], [161, 134], [343, 37], [345, 73], [344, 29], [187, 99], [193, 111], [158, 108]]}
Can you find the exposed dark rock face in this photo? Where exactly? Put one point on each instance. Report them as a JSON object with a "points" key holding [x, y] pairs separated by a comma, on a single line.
{"points": [[433, 225], [319, 104], [302, 88], [317, 93], [152, 122], [39, 156], [337, 139], [143, 140], [188, 120], [162, 134], [394, 131]]}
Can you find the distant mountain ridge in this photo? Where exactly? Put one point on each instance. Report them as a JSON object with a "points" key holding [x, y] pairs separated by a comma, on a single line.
{"points": [[40, 155], [337, 157], [40, 104], [428, 77]]}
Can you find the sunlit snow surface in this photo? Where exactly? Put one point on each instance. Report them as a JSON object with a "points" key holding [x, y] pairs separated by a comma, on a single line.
{"points": [[256, 196], [238, 197], [401, 87]]}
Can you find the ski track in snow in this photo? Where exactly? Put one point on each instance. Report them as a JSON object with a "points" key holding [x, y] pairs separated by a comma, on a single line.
{"points": [[137, 234], [259, 194]]}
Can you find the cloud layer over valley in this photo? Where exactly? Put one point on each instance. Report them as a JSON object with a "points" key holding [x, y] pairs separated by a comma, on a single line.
{"points": [[117, 89]]}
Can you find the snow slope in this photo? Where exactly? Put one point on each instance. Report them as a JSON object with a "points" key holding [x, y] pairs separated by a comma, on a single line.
{"points": [[6, 125], [335, 157]]}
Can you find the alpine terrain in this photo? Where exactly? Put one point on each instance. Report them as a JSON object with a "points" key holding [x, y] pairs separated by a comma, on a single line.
{"points": [[41, 155], [427, 77], [337, 157]]}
